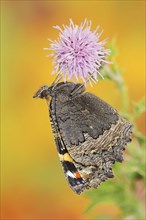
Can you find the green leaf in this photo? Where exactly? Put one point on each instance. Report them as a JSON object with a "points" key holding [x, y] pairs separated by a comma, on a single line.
{"points": [[139, 108]]}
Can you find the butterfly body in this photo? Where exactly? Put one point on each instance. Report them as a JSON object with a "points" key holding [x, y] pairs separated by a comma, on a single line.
{"points": [[89, 134]]}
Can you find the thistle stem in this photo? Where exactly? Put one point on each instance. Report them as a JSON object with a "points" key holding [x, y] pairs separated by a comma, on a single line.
{"points": [[124, 97]]}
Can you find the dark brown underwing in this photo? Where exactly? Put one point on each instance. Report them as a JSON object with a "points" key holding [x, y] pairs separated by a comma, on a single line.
{"points": [[90, 135]]}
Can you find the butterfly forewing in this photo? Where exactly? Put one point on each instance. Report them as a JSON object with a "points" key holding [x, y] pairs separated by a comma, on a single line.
{"points": [[72, 175]]}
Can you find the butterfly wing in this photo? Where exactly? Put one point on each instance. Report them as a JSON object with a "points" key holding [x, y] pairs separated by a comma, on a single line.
{"points": [[72, 175], [94, 135], [89, 134], [84, 114]]}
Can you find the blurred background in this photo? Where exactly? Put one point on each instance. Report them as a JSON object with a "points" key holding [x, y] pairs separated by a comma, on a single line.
{"points": [[33, 184]]}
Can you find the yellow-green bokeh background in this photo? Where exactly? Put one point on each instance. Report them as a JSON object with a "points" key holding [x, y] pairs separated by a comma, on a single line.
{"points": [[33, 184]]}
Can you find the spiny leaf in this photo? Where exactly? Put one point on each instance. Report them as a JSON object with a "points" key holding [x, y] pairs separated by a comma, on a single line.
{"points": [[139, 108]]}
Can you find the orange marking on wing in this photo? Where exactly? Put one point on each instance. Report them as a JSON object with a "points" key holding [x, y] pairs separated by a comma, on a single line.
{"points": [[77, 175]]}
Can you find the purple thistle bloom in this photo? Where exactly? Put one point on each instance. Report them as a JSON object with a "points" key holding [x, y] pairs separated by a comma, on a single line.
{"points": [[78, 52]]}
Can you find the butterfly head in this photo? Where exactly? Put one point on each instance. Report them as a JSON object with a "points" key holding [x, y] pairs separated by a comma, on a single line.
{"points": [[68, 88], [43, 92]]}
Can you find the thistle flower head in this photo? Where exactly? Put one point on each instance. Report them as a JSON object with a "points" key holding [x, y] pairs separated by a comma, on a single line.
{"points": [[78, 52]]}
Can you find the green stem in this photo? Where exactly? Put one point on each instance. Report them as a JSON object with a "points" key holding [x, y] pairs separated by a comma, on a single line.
{"points": [[124, 97]]}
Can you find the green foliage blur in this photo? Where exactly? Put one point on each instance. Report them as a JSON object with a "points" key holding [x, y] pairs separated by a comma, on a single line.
{"points": [[127, 189]]}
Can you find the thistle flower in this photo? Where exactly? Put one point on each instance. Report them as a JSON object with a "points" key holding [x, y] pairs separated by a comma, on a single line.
{"points": [[78, 52]]}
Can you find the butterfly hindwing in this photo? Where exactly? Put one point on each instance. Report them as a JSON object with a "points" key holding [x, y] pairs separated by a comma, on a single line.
{"points": [[83, 114]]}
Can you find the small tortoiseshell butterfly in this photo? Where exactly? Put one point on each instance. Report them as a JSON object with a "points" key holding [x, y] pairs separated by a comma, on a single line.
{"points": [[89, 134]]}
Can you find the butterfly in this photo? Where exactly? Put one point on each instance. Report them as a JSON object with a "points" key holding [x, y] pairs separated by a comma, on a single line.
{"points": [[89, 134]]}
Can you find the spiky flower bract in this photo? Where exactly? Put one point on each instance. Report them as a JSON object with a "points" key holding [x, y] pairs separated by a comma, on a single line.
{"points": [[78, 52]]}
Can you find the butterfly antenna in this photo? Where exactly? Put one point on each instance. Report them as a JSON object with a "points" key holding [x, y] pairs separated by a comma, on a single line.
{"points": [[74, 93], [57, 79], [91, 77]]}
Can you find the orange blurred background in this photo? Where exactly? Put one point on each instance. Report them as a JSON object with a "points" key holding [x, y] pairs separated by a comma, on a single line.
{"points": [[33, 184]]}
